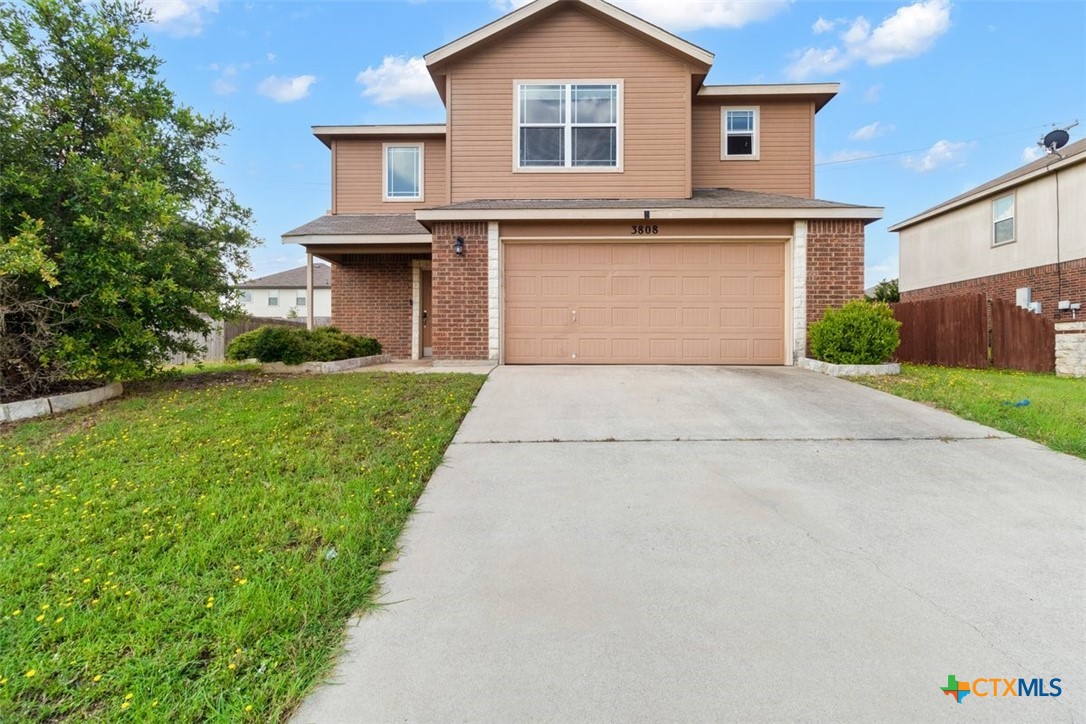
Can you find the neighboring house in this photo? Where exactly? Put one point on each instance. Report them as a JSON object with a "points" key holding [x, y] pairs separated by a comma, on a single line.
{"points": [[1025, 230], [589, 200], [284, 295]]}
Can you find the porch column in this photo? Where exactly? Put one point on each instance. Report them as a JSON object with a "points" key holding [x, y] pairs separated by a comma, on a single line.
{"points": [[309, 301]]}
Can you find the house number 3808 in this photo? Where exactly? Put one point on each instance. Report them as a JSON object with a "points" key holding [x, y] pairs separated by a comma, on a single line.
{"points": [[640, 229]]}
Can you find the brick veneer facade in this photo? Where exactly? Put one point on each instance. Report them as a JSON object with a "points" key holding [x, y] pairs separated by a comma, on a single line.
{"points": [[371, 295], [835, 264], [1045, 281], [460, 306]]}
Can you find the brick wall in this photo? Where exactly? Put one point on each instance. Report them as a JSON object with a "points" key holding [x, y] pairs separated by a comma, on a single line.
{"points": [[1045, 281], [371, 295], [460, 314], [835, 264]]}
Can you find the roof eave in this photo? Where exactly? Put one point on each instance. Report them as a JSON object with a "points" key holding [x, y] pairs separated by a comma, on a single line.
{"points": [[988, 192], [820, 93], [421, 130], [426, 217], [450, 51]]}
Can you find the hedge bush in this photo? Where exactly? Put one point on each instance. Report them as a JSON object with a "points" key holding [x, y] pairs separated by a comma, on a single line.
{"points": [[859, 333], [293, 345]]}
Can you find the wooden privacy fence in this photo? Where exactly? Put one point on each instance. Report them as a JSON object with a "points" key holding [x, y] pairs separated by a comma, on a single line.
{"points": [[223, 333], [973, 331]]}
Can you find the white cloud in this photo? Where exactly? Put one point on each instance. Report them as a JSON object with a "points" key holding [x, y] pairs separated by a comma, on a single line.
{"points": [[885, 269], [286, 89], [226, 84], [911, 31], [822, 26], [680, 15], [873, 93], [1032, 153], [224, 87], [180, 17], [871, 131], [398, 79], [942, 153], [270, 57]]}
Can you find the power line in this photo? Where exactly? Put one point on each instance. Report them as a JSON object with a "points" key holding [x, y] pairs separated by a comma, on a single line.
{"points": [[928, 148]]}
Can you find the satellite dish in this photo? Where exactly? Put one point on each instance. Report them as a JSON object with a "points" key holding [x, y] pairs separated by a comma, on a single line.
{"points": [[1055, 140]]}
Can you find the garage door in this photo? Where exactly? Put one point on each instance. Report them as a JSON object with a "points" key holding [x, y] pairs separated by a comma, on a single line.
{"points": [[654, 303]]}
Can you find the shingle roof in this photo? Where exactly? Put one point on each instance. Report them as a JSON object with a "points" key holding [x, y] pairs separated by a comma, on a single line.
{"points": [[701, 199], [383, 224], [1078, 148], [292, 278]]}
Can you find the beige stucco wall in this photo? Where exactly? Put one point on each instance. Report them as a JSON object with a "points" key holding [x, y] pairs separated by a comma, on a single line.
{"points": [[958, 245], [785, 163], [569, 46], [358, 175]]}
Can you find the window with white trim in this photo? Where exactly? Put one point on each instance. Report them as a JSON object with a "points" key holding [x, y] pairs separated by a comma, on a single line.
{"points": [[1003, 220], [273, 297], [403, 172], [568, 125], [739, 133], [299, 299], [246, 297]]}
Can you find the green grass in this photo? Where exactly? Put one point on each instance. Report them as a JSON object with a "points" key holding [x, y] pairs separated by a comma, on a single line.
{"points": [[1056, 415], [169, 556], [200, 368]]}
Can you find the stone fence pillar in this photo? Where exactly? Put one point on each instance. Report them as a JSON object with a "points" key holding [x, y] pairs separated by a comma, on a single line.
{"points": [[1071, 349]]}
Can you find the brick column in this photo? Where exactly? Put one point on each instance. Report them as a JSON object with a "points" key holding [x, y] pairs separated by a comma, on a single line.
{"points": [[460, 306], [835, 264]]}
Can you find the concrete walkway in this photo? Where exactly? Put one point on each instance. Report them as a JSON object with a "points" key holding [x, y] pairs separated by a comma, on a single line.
{"points": [[667, 544]]}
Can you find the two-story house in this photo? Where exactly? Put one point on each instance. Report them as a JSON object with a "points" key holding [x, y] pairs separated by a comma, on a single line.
{"points": [[289, 294], [589, 200]]}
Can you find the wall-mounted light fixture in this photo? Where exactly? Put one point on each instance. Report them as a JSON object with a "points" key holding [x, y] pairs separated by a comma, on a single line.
{"points": [[458, 247]]}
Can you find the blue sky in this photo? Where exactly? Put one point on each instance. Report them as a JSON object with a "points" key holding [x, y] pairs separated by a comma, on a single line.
{"points": [[936, 97]]}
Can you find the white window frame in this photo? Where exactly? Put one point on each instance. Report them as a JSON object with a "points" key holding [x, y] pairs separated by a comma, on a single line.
{"points": [[299, 298], [755, 140], [1013, 219], [246, 297], [620, 123], [422, 172], [274, 303]]}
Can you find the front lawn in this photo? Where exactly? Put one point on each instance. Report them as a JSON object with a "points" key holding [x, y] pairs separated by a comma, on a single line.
{"points": [[194, 552], [1055, 415]]}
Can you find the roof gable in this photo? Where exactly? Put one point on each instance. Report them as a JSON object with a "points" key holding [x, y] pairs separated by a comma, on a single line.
{"points": [[438, 60], [292, 279]]}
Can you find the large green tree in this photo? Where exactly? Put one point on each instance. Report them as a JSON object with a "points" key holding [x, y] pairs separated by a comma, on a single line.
{"points": [[116, 239]]}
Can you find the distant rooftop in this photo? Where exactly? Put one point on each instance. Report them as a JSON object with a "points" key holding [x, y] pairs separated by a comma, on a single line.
{"points": [[292, 279]]}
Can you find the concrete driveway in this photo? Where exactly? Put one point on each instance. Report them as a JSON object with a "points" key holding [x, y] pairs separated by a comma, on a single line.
{"points": [[724, 544]]}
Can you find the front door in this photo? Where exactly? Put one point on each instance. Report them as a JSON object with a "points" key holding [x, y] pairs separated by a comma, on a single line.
{"points": [[426, 300]]}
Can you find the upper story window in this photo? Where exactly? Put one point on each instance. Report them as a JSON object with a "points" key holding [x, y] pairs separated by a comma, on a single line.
{"points": [[273, 297], [568, 125], [403, 172], [246, 297], [739, 133], [299, 299], [1003, 220]]}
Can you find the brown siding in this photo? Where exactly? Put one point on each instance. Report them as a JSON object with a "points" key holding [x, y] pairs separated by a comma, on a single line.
{"points": [[371, 295], [835, 264], [569, 45], [460, 284], [358, 180], [1050, 284], [785, 139]]}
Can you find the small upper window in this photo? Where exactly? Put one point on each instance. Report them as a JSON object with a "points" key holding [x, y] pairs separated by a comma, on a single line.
{"points": [[246, 296], [568, 125], [1003, 219], [403, 172], [739, 133], [299, 299], [273, 298]]}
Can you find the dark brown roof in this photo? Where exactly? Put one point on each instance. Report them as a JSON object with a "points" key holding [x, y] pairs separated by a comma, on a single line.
{"points": [[702, 199], [292, 279], [1078, 148], [354, 224]]}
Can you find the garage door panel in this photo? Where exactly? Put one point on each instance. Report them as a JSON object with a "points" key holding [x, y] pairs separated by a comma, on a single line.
{"points": [[663, 303]]}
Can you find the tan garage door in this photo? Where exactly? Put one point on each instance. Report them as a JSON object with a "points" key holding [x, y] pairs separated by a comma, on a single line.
{"points": [[653, 303]]}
